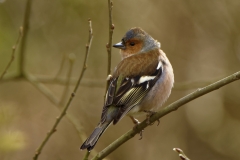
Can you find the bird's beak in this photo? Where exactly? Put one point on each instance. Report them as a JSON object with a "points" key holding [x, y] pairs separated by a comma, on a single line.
{"points": [[119, 45]]}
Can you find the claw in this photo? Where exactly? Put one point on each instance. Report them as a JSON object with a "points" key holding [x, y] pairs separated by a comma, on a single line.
{"points": [[149, 114], [141, 134], [136, 122]]}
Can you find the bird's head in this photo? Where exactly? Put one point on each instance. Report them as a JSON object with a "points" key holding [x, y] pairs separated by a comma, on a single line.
{"points": [[136, 41]]}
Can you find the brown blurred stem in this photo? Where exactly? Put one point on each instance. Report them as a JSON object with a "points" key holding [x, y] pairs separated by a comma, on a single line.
{"points": [[71, 58], [61, 67], [181, 154], [166, 110], [178, 86], [13, 52], [58, 119], [24, 38], [109, 44], [52, 98]]}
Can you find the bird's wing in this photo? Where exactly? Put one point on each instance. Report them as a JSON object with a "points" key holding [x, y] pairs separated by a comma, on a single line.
{"points": [[126, 92]]}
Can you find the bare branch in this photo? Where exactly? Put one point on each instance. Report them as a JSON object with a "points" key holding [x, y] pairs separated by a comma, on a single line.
{"points": [[100, 83], [88, 45], [52, 98], [24, 38], [86, 155], [181, 154], [166, 110], [71, 58], [55, 80], [58, 119], [109, 44], [13, 52], [63, 81], [61, 66]]}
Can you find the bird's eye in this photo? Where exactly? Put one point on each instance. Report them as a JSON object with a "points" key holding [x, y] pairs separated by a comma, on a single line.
{"points": [[132, 43]]}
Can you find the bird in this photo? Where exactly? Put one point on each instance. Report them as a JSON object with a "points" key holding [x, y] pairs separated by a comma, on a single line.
{"points": [[140, 83]]}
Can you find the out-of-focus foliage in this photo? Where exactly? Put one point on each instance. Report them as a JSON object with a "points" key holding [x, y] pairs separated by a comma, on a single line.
{"points": [[201, 39]]}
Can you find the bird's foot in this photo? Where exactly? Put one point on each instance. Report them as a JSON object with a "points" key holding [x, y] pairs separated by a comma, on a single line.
{"points": [[150, 114], [136, 122], [141, 134]]}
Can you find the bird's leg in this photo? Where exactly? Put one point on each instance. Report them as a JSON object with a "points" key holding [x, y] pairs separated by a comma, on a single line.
{"points": [[149, 114], [136, 122]]}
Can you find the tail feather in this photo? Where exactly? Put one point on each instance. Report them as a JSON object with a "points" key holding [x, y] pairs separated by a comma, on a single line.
{"points": [[93, 138]]}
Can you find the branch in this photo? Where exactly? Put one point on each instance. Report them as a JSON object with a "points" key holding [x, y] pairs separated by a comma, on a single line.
{"points": [[61, 67], [181, 154], [13, 52], [71, 58], [88, 45], [166, 110], [24, 38], [52, 98], [109, 44], [100, 83], [58, 119], [86, 155], [63, 81]]}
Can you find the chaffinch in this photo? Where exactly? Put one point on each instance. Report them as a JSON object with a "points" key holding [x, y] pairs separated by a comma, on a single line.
{"points": [[141, 82]]}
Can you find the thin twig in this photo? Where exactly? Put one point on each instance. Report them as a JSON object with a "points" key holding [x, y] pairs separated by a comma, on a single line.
{"points": [[61, 67], [24, 38], [109, 44], [86, 82], [166, 110], [56, 80], [12, 76], [58, 119], [100, 83], [71, 58], [88, 45], [13, 52], [52, 98], [181, 154]]}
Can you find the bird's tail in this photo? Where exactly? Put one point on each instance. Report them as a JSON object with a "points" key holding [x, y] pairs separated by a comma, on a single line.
{"points": [[96, 134]]}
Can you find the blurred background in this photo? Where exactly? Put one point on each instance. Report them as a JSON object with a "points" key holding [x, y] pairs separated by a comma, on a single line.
{"points": [[200, 38]]}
